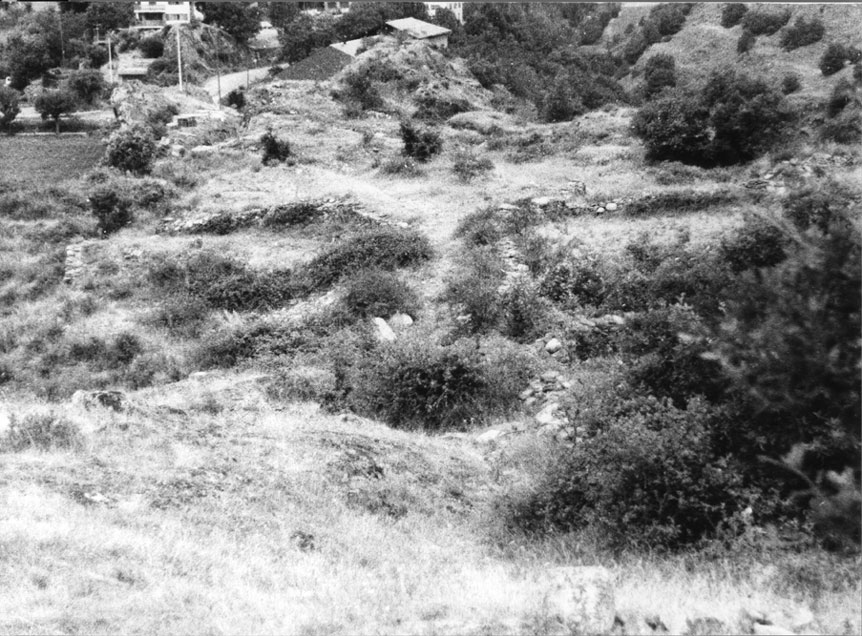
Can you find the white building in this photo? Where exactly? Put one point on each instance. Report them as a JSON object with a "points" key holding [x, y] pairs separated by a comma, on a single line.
{"points": [[155, 15]]}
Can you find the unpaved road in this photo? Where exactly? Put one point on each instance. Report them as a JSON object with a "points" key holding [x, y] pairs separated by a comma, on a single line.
{"points": [[230, 81]]}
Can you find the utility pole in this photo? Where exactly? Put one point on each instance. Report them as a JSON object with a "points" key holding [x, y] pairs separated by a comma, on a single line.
{"points": [[218, 65], [110, 56], [62, 44], [179, 57]]}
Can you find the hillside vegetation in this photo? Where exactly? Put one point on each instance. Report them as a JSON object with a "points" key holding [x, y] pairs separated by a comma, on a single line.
{"points": [[554, 331]]}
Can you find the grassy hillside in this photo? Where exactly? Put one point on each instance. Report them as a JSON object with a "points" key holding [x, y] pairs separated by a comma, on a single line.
{"points": [[277, 463]]}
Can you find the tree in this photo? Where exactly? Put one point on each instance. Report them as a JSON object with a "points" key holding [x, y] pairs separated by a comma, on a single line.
{"points": [[132, 149], [305, 34], [8, 106], [53, 104], [659, 73], [238, 19], [674, 127], [109, 16], [281, 14], [87, 85]]}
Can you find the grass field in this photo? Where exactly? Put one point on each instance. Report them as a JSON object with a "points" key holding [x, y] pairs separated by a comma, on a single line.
{"points": [[47, 160]]}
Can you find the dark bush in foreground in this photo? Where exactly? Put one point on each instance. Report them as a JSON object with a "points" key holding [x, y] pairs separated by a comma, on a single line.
{"points": [[131, 149], [151, 47], [764, 21], [732, 14], [802, 33], [421, 144], [834, 58], [414, 384], [275, 150], [645, 474], [87, 85], [384, 249], [790, 83], [113, 211], [674, 127], [379, 293]]}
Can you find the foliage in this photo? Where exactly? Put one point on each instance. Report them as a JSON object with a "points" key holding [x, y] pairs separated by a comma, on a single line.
{"points": [[236, 98], [646, 474], [112, 210], [109, 16], [420, 144], [54, 104], [305, 34], [281, 14], [843, 94], [275, 150], [360, 89], [45, 431], [790, 83], [733, 119], [468, 166], [472, 292], [412, 383], [384, 248], [802, 33], [131, 149], [151, 47], [238, 19], [561, 103], [377, 292], [401, 165], [9, 108], [759, 242], [87, 85], [678, 201], [659, 73], [764, 21], [369, 18], [732, 14], [746, 41], [834, 58]]}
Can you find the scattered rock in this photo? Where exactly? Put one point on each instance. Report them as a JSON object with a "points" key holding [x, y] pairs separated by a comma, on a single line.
{"points": [[114, 400], [400, 321], [490, 436], [581, 598], [384, 331], [547, 416], [553, 345], [611, 207]]}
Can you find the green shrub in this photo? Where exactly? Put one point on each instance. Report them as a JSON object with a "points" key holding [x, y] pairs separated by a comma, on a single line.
{"points": [[404, 166], [378, 293], [468, 166], [575, 283], [525, 313], [420, 144], [746, 42], [758, 243], [274, 150], [802, 33], [112, 210], [88, 85], [9, 108], [764, 21], [151, 47], [659, 73], [674, 127], [732, 14], [845, 128], [292, 215], [412, 383], [473, 291], [790, 83], [817, 206], [44, 431], [236, 98], [361, 90], [645, 475], [833, 58], [131, 149], [483, 227], [384, 248]]}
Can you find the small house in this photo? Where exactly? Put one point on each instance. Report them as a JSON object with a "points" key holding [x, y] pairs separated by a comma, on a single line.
{"points": [[420, 30]]}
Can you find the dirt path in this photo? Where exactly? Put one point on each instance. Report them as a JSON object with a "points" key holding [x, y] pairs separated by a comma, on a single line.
{"points": [[231, 81]]}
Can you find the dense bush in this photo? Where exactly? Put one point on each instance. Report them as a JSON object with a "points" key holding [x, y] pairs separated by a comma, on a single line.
{"points": [[361, 90], [834, 58], [746, 41], [8, 106], [760, 242], [802, 33], [112, 209], [378, 293], [732, 14], [733, 119], [645, 474], [383, 248], [764, 21], [131, 149], [151, 47], [236, 98], [467, 166], [843, 94], [659, 73], [790, 83], [275, 150], [473, 291], [420, 144], [87, 85], [412, 383]]}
